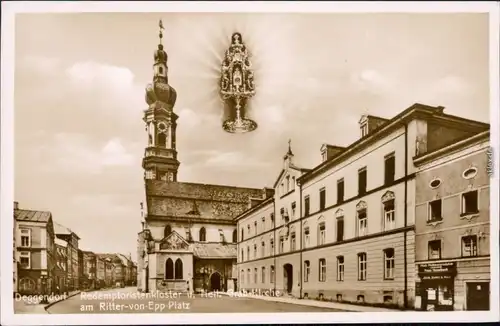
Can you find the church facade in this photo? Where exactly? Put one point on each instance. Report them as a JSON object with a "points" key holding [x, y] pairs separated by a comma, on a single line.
{"points": [[188, 237]]}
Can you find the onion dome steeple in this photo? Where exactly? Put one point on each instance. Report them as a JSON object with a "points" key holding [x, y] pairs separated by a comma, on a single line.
{"points": [[160, 93]]}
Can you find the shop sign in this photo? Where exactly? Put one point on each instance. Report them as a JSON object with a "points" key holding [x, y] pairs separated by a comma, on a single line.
{"points": [[437, 271]]}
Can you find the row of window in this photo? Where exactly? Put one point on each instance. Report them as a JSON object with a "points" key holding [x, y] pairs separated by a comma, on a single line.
{"points": [[389, 221], [389, 175], [173, 271], [202, 235], [287, 186], [469, 205], [247, 278], [468, 247], [389, 265]]}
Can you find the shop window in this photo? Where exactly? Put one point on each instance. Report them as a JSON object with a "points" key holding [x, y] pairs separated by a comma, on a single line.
{"points": [[339, 297], [470, 203], [387, 299], [435, 249], [435, 211], [361, 298], [469, 246]]}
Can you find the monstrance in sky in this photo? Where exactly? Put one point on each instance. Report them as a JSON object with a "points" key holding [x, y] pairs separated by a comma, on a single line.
{"points": [[237, 86]]}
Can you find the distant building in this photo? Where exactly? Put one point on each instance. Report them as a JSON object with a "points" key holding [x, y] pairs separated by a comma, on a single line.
{"points": [[61, 277], [89, 278], [14, 252], [35, 251], [100, 272], [452, 230], [73, 270]]}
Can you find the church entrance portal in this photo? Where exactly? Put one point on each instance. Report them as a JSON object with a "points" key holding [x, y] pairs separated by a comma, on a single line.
{"points": [[215, 282]]}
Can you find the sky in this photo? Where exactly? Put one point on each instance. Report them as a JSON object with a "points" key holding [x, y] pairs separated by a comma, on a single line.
{"points": [[80, 94]]}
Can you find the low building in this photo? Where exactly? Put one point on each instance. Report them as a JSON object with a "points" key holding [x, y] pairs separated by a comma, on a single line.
{"points": [[452, 230], [35, 251]]}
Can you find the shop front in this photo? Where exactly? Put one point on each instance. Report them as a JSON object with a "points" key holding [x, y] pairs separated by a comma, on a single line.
{"points": [[437, 286]]}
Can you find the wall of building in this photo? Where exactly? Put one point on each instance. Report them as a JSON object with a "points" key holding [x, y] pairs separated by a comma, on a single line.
{"points": [[157, 229]]}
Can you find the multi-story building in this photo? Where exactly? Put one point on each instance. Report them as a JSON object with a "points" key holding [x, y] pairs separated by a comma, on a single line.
{"points": [[125, 268], [269, 229], [100, 272], [133, 274], [71, 239], [61, 278], [82, 281], [89, 270], [353, 239], [35, 250], [188, 241], [452, 228]]}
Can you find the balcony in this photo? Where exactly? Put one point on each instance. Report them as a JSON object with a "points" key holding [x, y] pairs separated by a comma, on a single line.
{"points": [[159, 152]]}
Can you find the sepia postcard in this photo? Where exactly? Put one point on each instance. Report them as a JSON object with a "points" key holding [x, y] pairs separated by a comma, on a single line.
{"points": [[241, 162]]}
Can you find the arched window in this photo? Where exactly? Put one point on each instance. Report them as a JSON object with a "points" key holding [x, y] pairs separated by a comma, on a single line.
{"points": [[235, 236], [160, 69], [162, 139], [27, 285], [167, 230], [178, 269], [169, 269], [203, 234]]}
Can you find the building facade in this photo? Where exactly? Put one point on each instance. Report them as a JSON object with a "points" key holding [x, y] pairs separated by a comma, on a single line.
{"points": [[100, 272], [188, 237], [72, 264], [452, 231], [61, 278], [89, 278], [35, 251], [353, 237]]}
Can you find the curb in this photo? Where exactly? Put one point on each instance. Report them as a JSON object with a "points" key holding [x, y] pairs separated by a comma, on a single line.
{"points": [[304, 302], [53, 303]]}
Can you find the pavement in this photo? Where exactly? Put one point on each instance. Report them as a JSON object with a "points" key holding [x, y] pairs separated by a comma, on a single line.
{"points": [[128, 300], [32, 305], [315, 303]]}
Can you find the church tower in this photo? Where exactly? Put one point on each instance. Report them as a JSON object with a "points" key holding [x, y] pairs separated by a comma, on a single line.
{"points": [[160, 157]]}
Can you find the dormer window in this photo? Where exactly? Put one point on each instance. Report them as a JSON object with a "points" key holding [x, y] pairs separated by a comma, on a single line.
{"points": [[364, 129]]}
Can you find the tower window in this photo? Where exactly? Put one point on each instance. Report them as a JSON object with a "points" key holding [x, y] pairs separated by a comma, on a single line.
{"points": [[160, 70], [162, 139]]}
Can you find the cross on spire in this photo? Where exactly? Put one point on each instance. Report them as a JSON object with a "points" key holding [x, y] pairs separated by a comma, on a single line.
{"points": [[290, 147], [160, 25]]}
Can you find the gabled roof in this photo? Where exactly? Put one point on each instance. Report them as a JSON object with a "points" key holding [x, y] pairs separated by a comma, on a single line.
{"points": [[283, 171], [32, 216], [60, 229]]}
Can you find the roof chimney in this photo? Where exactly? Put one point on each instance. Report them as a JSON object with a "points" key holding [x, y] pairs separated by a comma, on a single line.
{"points": [[16, 205]]}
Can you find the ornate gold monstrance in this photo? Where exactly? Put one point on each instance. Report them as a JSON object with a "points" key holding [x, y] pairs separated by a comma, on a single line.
{"points": [[236, 85]]}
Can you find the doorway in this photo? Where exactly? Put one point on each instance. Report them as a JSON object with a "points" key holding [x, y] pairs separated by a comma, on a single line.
{"points": [[288, 277], [215, 282], [478, 296]]}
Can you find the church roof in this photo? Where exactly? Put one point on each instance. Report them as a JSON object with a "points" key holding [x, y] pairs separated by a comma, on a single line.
{"points": [[197, 201], [214, 250]]}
